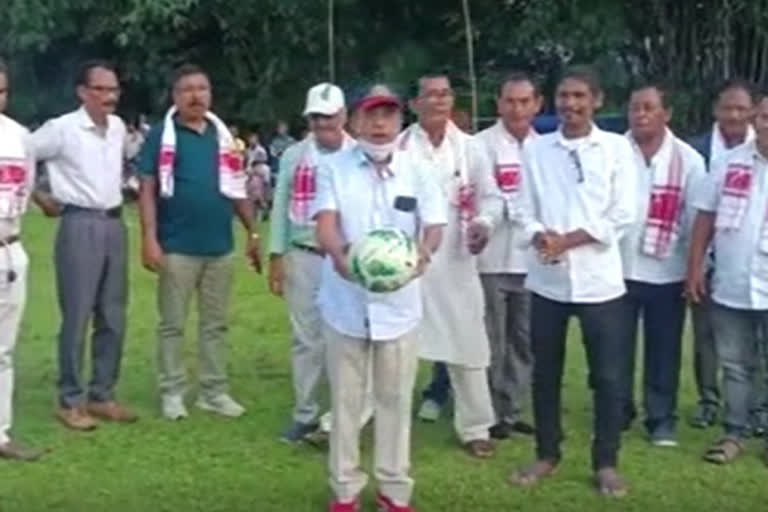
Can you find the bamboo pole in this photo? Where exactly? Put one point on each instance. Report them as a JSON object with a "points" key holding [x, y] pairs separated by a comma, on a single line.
{"points": [[471, 61]]}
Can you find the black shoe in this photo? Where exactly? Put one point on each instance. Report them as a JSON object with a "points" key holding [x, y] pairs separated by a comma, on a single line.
{"points": [[524, 428], [500, 431], [704, 416]]}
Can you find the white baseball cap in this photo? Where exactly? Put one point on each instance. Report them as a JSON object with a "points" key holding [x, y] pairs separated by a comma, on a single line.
{"points": [[326, 99]]}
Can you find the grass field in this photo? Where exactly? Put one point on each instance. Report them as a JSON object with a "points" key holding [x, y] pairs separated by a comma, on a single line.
{"points": [[216, 465]]}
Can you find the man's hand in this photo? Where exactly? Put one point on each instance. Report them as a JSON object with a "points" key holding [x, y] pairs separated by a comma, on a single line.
{"points": [[152, 256], [425, 258], [253, 253], [276, 275], [549, 245], [340, 263], [696, 285], [47, 204], [477, 235]]}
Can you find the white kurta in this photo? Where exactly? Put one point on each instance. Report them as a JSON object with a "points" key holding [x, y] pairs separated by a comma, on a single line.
{"points": [[453, 327]]}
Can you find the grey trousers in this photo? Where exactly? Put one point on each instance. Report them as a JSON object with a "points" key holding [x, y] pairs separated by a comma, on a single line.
{"points": [[705, 364], [508, 322], [91, 279], [302, 281], [738, 335]]}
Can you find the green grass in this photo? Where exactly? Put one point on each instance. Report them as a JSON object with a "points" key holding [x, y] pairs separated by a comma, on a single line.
{"points": [[210, 464]]}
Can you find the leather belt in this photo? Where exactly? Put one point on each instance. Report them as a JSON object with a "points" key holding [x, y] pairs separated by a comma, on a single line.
{"points": [[308, 248], [114, 213], [10, 240]]}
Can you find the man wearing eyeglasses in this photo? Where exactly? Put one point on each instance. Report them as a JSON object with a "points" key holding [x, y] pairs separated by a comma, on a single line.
{"points": [[454, 331], [84, 152], [578, 201]]}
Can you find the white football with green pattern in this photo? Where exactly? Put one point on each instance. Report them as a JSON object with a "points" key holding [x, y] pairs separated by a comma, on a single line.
{"points": [[384, 260]]}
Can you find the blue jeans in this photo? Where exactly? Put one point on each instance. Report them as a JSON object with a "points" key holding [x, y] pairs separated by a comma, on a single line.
{"points": [[738, 337], [439, 388]]}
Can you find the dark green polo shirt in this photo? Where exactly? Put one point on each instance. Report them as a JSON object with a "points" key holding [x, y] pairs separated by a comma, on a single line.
{"points": [[197, 220]]}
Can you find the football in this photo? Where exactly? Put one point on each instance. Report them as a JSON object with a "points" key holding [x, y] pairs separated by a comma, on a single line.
{"points": [[384, 260]]}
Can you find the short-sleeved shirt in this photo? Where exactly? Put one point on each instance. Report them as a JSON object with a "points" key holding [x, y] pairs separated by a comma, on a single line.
{"points": [[197, 220], [741, 267], [348, 185]]}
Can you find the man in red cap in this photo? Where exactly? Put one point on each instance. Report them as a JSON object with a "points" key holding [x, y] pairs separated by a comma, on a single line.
{"points": [[368, 187]]}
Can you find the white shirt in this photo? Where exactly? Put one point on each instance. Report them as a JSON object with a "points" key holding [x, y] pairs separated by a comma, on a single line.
{"points": [[741, 268], [348, 185], [639, 266], [506, 252], [587, 184], [85, 167], [718, 147], [14, 139]]}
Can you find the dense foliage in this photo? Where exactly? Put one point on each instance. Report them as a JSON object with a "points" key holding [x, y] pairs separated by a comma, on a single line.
{"points": [[263, 54]]}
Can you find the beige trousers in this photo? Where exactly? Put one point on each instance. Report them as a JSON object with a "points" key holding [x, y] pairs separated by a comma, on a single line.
{"points": [[473, 414], [393, 367]]}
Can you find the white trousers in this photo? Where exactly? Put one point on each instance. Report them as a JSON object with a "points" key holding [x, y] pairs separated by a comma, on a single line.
{"points": [[13, 295], [393, 366], [473, 414]]}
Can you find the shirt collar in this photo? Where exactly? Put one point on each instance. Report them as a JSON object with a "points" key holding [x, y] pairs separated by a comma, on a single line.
{"points": [[664, 151], [85, 120], [594, 137], [364, 162], [532, 134]]}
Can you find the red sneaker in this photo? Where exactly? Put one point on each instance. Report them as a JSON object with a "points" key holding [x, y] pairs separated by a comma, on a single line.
{"points": [[385, 505], [348, 506]]}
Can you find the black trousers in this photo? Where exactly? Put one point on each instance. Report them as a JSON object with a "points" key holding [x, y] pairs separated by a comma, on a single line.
{"points": [[662, 308], [606, 347]]}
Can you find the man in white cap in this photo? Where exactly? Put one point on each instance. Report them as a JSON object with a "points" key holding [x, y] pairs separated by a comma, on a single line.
{"points": [[368, 187], [294, 257], [17, 171], [454, 331]]}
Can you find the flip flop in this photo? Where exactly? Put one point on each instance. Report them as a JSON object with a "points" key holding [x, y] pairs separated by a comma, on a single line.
{"points": [[610, 484], [530, 475]]}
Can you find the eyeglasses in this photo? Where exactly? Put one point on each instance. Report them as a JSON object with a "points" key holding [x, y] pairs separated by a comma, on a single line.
{"points": [[574, 156], [103, 89]]}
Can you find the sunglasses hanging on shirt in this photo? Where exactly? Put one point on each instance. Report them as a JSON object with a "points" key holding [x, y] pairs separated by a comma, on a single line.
{"points": [[573, 154]]}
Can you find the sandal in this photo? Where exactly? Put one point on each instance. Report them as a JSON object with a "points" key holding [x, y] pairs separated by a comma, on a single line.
{"points": [[723, 451], [610, 484], [530, 475], [480, 448]]}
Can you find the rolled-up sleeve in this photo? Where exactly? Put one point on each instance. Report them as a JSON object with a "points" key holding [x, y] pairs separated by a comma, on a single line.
{"points": [[490, 202], [525, 210], [432, 204], [326, 198], [706, 195], [621, 212]]}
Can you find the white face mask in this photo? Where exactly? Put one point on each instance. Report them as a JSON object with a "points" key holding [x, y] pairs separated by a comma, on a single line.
{"points": [[377, 152]]}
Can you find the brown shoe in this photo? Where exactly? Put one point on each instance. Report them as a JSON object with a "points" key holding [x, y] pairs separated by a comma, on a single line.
{"points": [[111, 411], [13, 451], [76, 419], [480, 448]]}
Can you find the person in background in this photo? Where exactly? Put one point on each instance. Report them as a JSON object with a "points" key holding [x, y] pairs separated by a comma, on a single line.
{"points": [[258, 172], [83, 152], [578, 201], [240, 145], [504, 262], [192, 182], [281, 141], [454, 332], [734, 109], [17, 179], [360, 327], [732, 217], [295, 259], [654, 252]]}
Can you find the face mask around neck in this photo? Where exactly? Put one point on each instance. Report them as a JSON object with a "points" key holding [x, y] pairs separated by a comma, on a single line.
{"points": [[378, 152]]}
